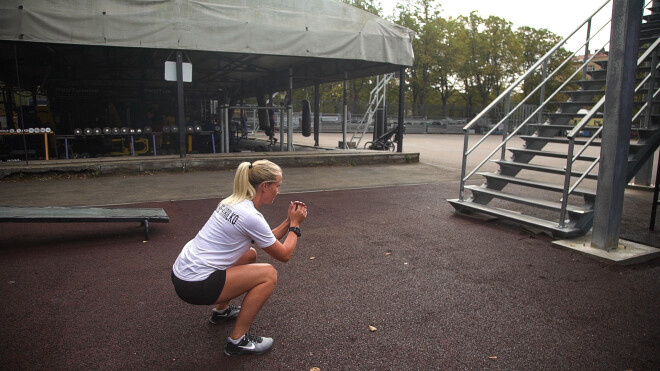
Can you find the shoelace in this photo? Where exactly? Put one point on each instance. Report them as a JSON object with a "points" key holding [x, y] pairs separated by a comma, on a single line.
{"points": [[229, 309], [253, 338]]}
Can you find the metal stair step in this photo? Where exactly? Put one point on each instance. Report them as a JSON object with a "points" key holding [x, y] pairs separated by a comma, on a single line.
{"points": [[651, 30], [534, 152], [572, 114], [551, 129], [651, 17], [531, 201], [553, 227], [582, 92], [535, 184], [592, 83], [652, 23], [602, 63], [598, 74], [577, 103], [552, 126], [541, 168], [557, 140], [646, 40]]}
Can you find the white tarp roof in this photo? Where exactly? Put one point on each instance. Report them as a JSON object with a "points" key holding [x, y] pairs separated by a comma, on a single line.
{"points": [[235, 46], [300, 28]]}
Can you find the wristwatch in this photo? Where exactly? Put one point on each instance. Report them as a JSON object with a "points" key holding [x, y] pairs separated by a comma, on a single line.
{"points": [[295, 230]]}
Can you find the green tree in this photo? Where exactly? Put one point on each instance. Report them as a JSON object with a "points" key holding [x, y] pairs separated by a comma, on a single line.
{"points": [[535, 44], [419, 17], [443, 72]]}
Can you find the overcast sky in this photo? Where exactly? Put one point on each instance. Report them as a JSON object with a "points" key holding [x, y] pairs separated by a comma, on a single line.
{"points": [[559, 16]]}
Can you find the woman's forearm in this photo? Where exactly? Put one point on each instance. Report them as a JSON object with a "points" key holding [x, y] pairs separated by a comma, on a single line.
{"points": [[281, 230]]}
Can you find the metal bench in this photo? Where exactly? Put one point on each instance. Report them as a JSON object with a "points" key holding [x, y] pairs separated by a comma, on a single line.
{"points": [[83, 214]]}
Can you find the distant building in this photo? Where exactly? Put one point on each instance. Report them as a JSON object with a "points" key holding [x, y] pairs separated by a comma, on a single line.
{"points": [[593, 64]]}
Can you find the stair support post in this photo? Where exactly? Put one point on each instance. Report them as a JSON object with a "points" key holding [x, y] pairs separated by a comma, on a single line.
{"points": [[544, 75], [586, 51], [505, 124], [615, 143], [567, 182], [464, 164]]}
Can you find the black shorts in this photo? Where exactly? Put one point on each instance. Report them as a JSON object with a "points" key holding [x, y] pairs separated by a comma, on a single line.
{"points": [[204, 292]]}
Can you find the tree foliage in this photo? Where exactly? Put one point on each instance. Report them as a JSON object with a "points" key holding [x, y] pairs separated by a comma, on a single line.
{"points": [[461, 64]]}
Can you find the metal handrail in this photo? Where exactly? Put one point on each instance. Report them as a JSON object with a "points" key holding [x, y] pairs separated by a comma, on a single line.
{"points": [[531, 69], [506, 95], [570, 158], [466, 152]]}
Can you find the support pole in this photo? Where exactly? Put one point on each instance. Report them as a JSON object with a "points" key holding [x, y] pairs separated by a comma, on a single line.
{"points": [[344, 122], [180, 105], [289, 113], [402, 92], [622, 64], [225, 129], [317, 112], [21, 118], [281, 130], [222, 126]]}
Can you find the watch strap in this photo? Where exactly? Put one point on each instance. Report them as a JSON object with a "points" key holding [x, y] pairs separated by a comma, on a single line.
{"points": [[295, 230]]}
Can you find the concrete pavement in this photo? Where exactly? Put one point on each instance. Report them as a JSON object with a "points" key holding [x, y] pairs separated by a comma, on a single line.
{"points": [[381, 247]]}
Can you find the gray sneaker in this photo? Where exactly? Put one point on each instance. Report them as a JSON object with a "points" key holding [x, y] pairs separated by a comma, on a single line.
{"points": [[218, 316], [250, 344]]}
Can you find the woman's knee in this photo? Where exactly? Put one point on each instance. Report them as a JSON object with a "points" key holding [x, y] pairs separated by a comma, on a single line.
{"points": [[271, 275]]}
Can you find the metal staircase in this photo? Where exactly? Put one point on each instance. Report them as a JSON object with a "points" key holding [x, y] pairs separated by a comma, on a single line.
{"points": [[376, 99], [549, 181]]}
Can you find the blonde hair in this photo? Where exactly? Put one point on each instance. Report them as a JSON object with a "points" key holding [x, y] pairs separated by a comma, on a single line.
{"points": [[248, 177]]}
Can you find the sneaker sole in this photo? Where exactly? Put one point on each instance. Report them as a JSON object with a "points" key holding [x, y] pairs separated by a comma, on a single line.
{"points": [[221, 319], [245, 353]]}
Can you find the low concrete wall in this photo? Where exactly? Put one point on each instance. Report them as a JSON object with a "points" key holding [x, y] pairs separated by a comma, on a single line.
{"points": [[104, 166]]}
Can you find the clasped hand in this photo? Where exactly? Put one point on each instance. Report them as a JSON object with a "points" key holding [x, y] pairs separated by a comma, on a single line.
{"points": [[297, 212]]}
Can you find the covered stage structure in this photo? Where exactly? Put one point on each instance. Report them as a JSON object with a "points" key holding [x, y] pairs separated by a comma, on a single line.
{"points": [[84, 55]]}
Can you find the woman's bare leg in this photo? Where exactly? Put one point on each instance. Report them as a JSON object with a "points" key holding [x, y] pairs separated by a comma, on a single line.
{"points": [[250, 257], [259, 281]]}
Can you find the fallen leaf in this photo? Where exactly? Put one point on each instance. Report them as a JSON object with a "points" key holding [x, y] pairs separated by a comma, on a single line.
{"points": [[492, 357], [388, 253], [314, 369], [312, 258], [372, 328]]}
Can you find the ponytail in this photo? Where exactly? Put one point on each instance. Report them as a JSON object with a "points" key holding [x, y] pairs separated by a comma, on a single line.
{"points": [[248, 177]]}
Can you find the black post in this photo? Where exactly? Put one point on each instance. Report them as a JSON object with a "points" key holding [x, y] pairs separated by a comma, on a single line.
{"points": [[317, 112], [402, 90], [21, 121], [180, 117]]}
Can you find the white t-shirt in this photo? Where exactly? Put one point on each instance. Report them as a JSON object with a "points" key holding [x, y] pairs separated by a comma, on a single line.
{"points": [[225, 237]]}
